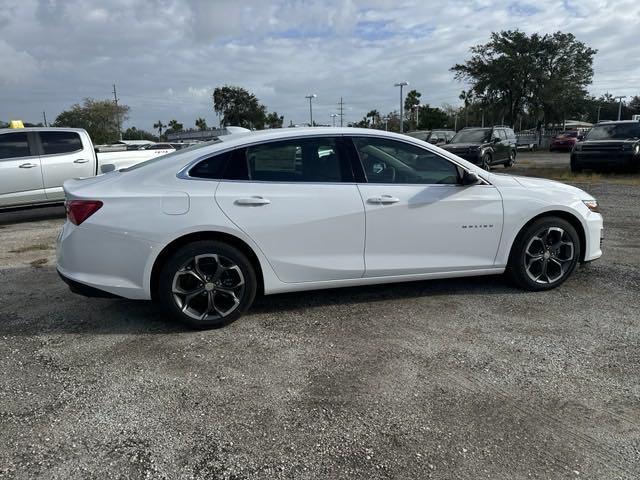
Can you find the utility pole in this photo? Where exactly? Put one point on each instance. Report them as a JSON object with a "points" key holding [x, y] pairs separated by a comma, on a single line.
{"points": [[44, 117], [620, 97], [401, 84], [115, 100], [599, 108], [310, 97], [482, 110], [341, 104]]}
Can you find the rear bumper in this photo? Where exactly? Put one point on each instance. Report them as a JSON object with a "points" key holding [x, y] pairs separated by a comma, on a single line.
{"points": [[85, 290], [92, 261]]}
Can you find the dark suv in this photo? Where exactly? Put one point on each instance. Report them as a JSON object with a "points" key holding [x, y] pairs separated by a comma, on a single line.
{"points": [[485, 146], [609, 145]]}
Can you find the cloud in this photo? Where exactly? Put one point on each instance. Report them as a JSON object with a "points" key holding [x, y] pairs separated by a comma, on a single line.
{"points": [[166, 56]]}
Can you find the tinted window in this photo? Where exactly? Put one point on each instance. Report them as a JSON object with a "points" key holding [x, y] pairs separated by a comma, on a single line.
{"points": [[299, 160], [14, 145], [60, 142], [614, 131], [212, 167], [501, 135], [472, 136], [390, 161], [510, 134]]}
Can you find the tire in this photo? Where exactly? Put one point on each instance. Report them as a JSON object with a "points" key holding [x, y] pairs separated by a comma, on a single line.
{"points": [[485, 162], [207, 284], [575, 167], [544, 254], [512, 159]]}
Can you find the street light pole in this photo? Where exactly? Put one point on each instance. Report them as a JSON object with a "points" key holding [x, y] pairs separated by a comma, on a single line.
{"points": [[620, 97], [310, 97], [401, 84], [598, 121], [482, 110]]}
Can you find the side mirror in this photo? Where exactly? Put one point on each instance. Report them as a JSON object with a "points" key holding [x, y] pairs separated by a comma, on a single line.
{"points": [[470, 178], [495, 140]]}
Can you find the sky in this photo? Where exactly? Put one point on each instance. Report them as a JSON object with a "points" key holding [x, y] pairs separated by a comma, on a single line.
{"points": [[167, 56]]}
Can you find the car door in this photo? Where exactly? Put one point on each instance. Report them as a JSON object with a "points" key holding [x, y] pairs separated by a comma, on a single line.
{"points": [[63, 156], [297, 200], [419, 218], [502, 146], [20, 171]]}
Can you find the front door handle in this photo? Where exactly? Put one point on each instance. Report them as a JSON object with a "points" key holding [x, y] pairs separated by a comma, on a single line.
{"points": [[252, 201], [81, 160], [28, 165], [384, 199]]}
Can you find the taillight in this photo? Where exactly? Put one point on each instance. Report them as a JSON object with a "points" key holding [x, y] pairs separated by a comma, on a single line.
{"points": [[79, 210]]}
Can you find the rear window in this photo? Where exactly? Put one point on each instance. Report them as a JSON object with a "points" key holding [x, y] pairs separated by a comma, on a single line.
{"points": [[60, 142], [13, 145]]}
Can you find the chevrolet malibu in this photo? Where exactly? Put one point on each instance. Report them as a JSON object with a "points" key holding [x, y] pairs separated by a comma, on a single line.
{"points": [[203, 230]]}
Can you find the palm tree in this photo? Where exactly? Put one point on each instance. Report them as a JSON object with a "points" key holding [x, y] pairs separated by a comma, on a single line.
{"points": [[201, 123], [175, 125], [159, 126], [374, 115], [467, 98]]}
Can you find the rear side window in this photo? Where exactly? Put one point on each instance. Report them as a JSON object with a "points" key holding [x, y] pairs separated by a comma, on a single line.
{"points": [[60, 142], [315, 160], [211, 168], [13, 145], [502, 135]]}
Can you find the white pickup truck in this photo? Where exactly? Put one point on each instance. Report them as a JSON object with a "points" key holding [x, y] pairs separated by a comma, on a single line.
{"points": [[35, 162]]}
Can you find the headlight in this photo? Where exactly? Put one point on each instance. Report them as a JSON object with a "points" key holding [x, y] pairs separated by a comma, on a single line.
{"points": [[592, 205], [577, 147], [636, 150]]}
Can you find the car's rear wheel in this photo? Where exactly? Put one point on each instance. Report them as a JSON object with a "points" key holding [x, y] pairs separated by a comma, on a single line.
{"points": [[511, 160], [485, 162], [207, 284], [544, 254]]}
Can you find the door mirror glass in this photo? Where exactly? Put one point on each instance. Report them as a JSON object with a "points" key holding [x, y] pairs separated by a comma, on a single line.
{"points": [[470, 178]]}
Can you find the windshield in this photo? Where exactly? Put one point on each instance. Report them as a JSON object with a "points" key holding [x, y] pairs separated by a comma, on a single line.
{"points": [[614, 131], [471, 136], [568, 134], [172, 154]]}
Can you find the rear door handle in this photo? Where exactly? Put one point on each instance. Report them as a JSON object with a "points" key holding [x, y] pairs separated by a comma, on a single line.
{"points": [[384, 199], [81, 160], [28, 165], [252, 201]]}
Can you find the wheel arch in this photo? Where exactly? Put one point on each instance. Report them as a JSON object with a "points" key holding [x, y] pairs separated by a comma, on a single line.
{"points": [[179, 242], [569, 217]]}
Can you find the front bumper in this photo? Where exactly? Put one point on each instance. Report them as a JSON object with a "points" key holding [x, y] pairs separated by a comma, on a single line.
{"points": [[605, 159], [594, 235]]}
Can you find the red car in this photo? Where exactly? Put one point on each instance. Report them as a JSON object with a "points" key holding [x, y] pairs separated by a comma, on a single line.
{"points": [[564, 141]]}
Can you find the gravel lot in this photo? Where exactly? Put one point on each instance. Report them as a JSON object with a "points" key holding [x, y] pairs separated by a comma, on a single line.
{"points": [[462, 379]]}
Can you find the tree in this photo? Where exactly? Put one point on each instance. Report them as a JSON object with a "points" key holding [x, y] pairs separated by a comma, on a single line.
{"points": [[411, 100], [513, 71], [273, 120], [159, 126], [374, 115], [431, 118], [201, 123], [239, 107], [132, 133], [98, 117], [175, 126]]}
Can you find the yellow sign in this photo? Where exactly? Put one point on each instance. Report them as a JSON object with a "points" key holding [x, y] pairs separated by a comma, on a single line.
{"points": [[16, 124]]}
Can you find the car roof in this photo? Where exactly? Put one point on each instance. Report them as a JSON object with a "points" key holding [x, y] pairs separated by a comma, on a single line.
{"points": [[42, 129], [616, 122]]}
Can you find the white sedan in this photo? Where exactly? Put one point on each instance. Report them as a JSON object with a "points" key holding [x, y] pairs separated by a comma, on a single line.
{"points": [[205, 229]]}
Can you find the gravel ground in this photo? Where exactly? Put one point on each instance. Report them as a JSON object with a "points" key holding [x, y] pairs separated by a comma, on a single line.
{"points": [[462, 379]]}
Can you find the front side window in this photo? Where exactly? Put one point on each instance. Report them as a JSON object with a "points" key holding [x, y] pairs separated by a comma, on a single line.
{"points": [[298, 160], [390, 161], [14, 145], [502, 135], [60, 142]]}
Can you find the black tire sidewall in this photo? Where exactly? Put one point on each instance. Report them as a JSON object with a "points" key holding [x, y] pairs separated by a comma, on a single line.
{"points": [[485, 162], [516, 268], [182, 255]]}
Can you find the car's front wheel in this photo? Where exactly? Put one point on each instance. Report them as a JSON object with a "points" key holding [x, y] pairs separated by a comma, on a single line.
{"points": [[544, 254], [511, 160], [207, 284], [485, 162]]}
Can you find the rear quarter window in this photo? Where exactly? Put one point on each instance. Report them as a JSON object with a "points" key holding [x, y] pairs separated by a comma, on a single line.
{"points": [[14, 145]]}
